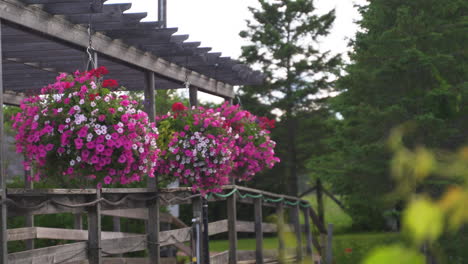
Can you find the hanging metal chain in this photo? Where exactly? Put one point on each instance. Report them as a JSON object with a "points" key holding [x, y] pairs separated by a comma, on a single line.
{"points": [[90, 50]]}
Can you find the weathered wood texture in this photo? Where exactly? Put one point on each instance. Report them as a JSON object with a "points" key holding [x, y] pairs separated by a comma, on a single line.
{"points": [[258, 231], [12, 99], [298, 231], [113, 243], [38, 20], [94, 232], [232, 228], [220, 258], [308, 232], [120, 260], [3, 206], [51, 255]]}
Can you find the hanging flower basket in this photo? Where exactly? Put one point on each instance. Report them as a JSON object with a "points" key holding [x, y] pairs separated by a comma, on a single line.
{"points": [[254, 150], [196, 147], [82, 130]]}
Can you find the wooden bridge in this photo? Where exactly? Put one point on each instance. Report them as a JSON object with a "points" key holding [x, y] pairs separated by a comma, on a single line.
{"points": [[96, 246]]}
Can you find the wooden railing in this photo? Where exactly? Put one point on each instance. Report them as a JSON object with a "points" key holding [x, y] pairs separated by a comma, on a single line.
{"points": [[96, 247]]}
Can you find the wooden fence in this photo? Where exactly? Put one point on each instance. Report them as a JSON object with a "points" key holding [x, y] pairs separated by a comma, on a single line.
{"points": [[96, 247]]}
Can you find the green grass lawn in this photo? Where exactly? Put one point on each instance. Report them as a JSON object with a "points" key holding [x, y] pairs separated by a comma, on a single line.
{"points": [[333, 213], [358, 245]]}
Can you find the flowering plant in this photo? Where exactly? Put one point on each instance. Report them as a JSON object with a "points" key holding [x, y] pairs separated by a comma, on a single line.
{"points": [[86, 130], [196, 147], [254, 149]]}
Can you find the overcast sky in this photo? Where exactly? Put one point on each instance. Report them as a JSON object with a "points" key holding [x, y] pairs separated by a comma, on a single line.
{"points": [[217, 23]]}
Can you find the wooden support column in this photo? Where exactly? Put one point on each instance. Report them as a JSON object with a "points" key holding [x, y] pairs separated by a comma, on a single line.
{"points": [[153, 224], [258, 231], [321, 212], [29, 218], [307, 230], [3, 206], [198, 217], [162, 13], [232, 229], [154, 250], [298, 230], [281, 230], [94, 232]]}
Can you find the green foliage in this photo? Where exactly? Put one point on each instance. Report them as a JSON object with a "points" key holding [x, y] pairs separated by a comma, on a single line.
{"points": [[408, 65]]}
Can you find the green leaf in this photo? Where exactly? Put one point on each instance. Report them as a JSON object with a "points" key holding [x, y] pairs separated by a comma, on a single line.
{"points": [[423, 220], [394, 254]]}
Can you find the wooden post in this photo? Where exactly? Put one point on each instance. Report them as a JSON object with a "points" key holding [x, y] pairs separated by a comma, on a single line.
{"points": [[205, 236], [321, 213], [307, 231], [94, 232], [298, 230], [162, 13], [29, 218], [232, 229], [281, 230], [198, 216], [329, 244], [3, 206], [153, 224], [154, 250], [258, 230]]}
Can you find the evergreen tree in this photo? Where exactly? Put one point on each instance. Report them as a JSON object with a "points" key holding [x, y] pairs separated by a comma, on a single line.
{"points": [[409, 65], [283, 36]]}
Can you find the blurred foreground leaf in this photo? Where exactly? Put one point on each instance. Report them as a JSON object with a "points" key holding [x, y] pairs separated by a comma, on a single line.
{"points": [[424, 220], [394, 254]]}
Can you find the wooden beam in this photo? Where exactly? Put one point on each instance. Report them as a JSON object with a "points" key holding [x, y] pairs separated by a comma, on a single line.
{"points": [[12, 99], [16, 12], [22, 233], [74, 234], [50, 255], [220, 258]]}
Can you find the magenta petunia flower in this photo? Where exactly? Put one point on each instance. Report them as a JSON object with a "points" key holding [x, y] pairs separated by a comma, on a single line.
{"points": [[107, 180]]}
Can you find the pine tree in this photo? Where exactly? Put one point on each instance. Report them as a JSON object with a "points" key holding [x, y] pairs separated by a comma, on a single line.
{"points": [[409, 65], [284, 43]]}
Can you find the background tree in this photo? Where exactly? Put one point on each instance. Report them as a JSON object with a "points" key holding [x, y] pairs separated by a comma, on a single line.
{"points": [[284, 38], [409, 64]]}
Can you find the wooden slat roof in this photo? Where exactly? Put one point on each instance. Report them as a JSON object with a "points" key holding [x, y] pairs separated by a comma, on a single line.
{"points": [[28, 52]]}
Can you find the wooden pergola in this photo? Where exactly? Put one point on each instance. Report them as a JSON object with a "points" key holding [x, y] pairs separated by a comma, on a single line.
{"points": [[40, 38]]}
